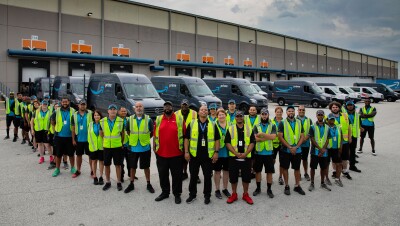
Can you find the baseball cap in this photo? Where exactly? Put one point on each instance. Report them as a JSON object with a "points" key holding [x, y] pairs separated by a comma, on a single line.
{"points": [[47, 97], [33, 97], [112, 106], [331, 116], [185, 101], [290, 107], [231, 101], [213, 106], [45, 102], [320, 112], [82, 102], [350, 102], [239, 113], [12, 93], [264, 110], [168, 103]]}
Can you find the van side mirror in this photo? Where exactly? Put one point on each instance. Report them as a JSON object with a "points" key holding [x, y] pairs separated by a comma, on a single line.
{"points": [[120, 96]]}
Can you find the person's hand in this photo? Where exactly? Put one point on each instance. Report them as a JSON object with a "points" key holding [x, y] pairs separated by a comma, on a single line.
{"points": [[350, 139], [187, 156], [74, 142], [33, 132], [242, 156], [293, 150], [362, 129], [215, 157]]}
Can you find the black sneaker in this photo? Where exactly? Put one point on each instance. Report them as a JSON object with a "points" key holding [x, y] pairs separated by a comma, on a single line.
{"points": [[23, 142], [226, 193], [355, 169], [7, 137], [324, 186], [218, 194], [119, 186], [307, 177], [178, 199], [107, 186], [15, 139], [299, 190], [51, 166], [207, 200], [130, 188], [347, 175], [101, 181], [136, 178], [373, 153], [270, 194], [359, 151], [280, 181], [257, 192], [95, 181], [163, 196], [30, 143], [190, 199], [185, 176], [356, 161], [287, 190], [150, 188], [357, 156]]}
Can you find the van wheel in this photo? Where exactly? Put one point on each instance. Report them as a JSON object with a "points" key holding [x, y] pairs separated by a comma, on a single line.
{"points": [[281, 102], [315, 104], [390, 99], [244, 108]]}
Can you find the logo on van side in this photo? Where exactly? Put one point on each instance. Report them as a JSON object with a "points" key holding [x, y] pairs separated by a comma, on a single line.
{"points": [[162, 90], [97, 92], [285, 90]]}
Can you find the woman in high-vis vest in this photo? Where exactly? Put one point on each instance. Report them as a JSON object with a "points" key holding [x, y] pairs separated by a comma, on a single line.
{"points": [[276, 143], [96, 147], [40, 124]]}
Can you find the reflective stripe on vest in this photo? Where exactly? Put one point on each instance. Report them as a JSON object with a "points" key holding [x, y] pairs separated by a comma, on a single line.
{"points": [[228, 119], [95, 142], [276, 141], [140, 132], [344, 125], [179, 124], [16, 106], [364, 111], [234, 138], [317, 134], [306, 125], [267, 144], [112, 139], [248, 121], [222, 135], [89, 119], [194, 138], [355, 127], [41, 123], [291, 138], [59, 119], [338, 132]]}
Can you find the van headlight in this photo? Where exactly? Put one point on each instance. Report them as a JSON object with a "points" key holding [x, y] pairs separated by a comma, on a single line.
{"points": [[323, 97], [254, 101]]}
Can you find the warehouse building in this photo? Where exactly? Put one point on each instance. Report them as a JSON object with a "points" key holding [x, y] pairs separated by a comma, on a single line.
{"points": [[43, 38]]}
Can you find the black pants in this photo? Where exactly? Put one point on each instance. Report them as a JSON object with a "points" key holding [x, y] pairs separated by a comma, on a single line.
{"points": [[165, 165], [194, 168], [353, 147], [126, 151]]}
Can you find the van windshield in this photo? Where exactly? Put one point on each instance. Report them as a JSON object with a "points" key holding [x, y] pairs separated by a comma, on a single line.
{"points": [[335, 90], [199, 89], [257, 87], [248, 89], [77, 88], [45, 85], [316, 89], [140, 90], [348, 90], [370, 89]]}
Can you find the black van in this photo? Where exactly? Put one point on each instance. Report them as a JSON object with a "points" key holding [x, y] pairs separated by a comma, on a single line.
{"points": [[73, 87], [123, 90], [238, 89], [299, 92], [389, 94], [266, 87], [176, 88], [42, 87]]}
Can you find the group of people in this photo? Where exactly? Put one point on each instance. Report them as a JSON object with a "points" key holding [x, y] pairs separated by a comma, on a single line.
{"points": [[225, 144]]}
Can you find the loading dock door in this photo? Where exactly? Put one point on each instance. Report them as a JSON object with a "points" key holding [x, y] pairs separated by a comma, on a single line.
{"points": [[249, 76], [81, 72], [32, 73], [229, 74]]}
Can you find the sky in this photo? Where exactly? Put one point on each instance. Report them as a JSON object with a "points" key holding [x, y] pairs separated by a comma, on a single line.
{"points": [[367, 26]]}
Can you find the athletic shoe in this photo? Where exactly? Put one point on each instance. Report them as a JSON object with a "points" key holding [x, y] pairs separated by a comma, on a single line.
{"points": [[324, 186], [232, 198], [311, 187], [107, 186], [307, 177], [373, 153], [51, 159], [66, 166], [163, 196], [38, 155], [357, 156], [218, 194], [178, 199], [270, 194], [299, 190], [190, 199], [30, 143], [95, 181], [247, 198], [41, 160], [257, 192], [119, 186], [101, 181], [280, 181], [23, 142], [130, 188], [150, 188], [355, 169], [7, 137], [51, 166], [207, 200], [359, 151], [328, 182], [339, 183], [73, 170], [287, 190], [15, 139], [347, 175], [226, 193], [33, 149], [185, 176], [356, 161], [76, 174], [56, 172]]}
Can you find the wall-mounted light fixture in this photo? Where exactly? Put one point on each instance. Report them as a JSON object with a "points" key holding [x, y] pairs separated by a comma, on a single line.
{"points": [[250, 41], [89, 14]]}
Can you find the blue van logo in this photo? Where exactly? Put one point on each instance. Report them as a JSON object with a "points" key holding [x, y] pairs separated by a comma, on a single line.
{"points": [[217, 89], [97, 92], [162, 90], [285, 90]]}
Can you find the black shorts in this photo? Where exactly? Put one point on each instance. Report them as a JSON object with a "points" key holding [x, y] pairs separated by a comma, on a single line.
{"points": [[221, 164], [133, 158], [21, 123], [243, 166], [41, 136], [115, 154], [277, 150], [286, 159], [82, 148], [97, 155], [64, 146], [322, 161], [334, 154], [368, 129], [264, 160], [305, 151], [50, 138], [345, 152], [12, 119]]}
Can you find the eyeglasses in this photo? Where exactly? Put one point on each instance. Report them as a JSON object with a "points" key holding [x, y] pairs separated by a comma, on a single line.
{"points": [[320, 115], [302, 109], [264, 113]]}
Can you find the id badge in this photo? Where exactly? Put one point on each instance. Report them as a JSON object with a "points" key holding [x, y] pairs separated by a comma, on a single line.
{"points": [[81, 127], [334, 139], [65, 122], [203, 142], [295, 140], [240, 143]]}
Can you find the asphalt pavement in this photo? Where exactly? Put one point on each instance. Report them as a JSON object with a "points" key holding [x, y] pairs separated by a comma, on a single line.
{"points": [[30, 196]]}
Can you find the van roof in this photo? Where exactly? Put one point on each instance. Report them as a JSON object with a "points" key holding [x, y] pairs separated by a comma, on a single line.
{"points": [[177, 78], [292, 82], [233, 80], [123, 77]]}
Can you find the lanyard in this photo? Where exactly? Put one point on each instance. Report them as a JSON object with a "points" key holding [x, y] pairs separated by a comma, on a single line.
{"points": [[203, 126], [334, 131], [65, 115], [81, 118]]}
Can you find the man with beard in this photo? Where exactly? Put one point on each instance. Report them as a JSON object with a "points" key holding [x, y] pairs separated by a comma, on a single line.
{"points": [[61, 121], [354, 119], [367, 114], [201, 149], [291, 135], [168, 146], [342, 120], [188, 115], [265, 133], [12, 114], [305, 146], [139, 128]]}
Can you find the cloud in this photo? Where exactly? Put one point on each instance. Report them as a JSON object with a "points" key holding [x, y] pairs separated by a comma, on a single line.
{"points": [[287, 14], [235, 8]]}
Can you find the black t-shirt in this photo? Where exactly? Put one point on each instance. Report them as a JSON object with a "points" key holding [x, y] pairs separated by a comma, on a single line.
{"points": [[202, 151], [240, 138]]}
